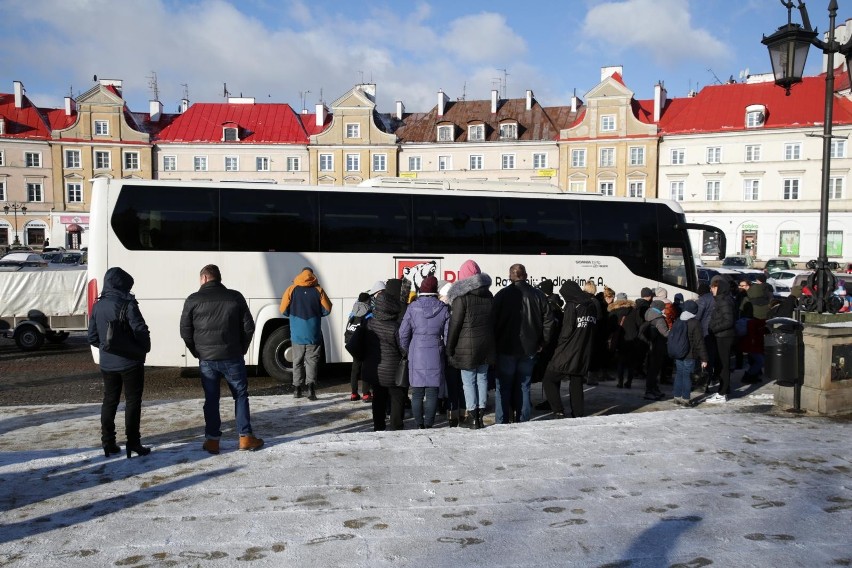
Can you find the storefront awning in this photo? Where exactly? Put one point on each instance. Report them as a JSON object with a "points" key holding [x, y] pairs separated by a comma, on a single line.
{"points": [[73, 228]]}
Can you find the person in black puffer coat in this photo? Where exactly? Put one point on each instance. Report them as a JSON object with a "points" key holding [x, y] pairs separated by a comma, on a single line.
{"points": [[722, 330], [381, 358], [573, 353], [470, 341], [122, 362]]}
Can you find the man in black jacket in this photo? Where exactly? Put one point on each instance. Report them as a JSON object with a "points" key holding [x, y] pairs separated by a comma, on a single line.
{"points": [[217, 327], [523, 325], [573, 349]]}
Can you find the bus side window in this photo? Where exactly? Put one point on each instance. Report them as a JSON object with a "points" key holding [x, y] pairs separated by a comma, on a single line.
{"points": [[261, 220], [354, 222], [462, 224], [539, 226]]}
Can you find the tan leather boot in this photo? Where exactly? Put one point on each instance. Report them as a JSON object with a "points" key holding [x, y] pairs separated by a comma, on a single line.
{"points": [[250, 443]]}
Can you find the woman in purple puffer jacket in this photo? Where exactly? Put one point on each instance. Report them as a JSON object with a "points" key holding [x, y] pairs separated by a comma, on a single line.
{"points": [[423, 334]]}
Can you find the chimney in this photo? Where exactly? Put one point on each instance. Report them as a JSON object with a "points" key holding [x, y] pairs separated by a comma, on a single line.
{"points": [[443, 99], [184, 105], [19, 94], [609, 71], [2, 125], [400, 110], [529, 99], [659, 101], [322, 113], [70, 106], [116, 83], [574, 101], [369, 89], [494, 100], [156, 110]]}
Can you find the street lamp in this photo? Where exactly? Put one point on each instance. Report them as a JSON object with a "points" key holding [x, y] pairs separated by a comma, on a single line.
{"points": [[15, 207], [788, 50]]}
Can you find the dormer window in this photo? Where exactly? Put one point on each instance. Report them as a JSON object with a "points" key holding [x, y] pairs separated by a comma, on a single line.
{"points": [[446, 133], [230, 134], [353, 130], [509, 131], [476, 132], [755, 116]]}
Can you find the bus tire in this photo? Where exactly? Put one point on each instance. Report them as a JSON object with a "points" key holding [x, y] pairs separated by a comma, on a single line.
{"points": [[277, 355], [28, 337], [56, 336]]}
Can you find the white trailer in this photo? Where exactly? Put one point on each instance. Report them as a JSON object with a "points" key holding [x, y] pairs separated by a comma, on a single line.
{"points": [[42, 304]]}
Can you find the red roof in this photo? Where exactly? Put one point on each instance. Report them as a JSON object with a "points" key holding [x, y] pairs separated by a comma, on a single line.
{"points": [[722, 108], [24, 122], [57, 118], [309, 123], [268, 123]]}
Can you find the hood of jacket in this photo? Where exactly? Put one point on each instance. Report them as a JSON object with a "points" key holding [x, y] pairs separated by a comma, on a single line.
{"points": [[618, 304], [686, 316], [305, 278], [572, 293], [652, 313], [468, 285], [117, 280], [722, 285], [386, 307], [360, 309], [430, 306]]}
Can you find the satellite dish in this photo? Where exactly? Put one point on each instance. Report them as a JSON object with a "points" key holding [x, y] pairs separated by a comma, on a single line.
{"points": [[95, 78]]}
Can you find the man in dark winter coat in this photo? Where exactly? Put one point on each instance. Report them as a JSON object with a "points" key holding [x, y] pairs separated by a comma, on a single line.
{"points": [[217, 327], [470, 340], [523, 325], [122, 362], [573, 351], [722, 330], [382, 354]]}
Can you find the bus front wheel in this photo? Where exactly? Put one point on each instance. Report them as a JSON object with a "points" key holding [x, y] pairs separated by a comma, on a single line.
{"points": [[277, 355]]}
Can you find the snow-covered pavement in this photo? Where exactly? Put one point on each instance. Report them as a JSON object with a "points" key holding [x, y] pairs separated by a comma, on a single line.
{"points": [[728, 485]]}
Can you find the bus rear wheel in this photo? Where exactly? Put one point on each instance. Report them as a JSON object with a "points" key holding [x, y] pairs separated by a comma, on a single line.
{"points": [[277, 355]]}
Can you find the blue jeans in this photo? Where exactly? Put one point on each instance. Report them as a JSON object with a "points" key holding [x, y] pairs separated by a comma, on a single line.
{"points": [[514, 375], [683, 378], [475, 382], [234, 372], [424, 415]]}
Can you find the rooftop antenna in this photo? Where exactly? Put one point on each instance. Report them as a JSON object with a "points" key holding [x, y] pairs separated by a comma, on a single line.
{"points": [[303, 95], [714, 76], [505, 81], [152, 84], [745, 74], [464, 92], [225, 92], [185, 90], [71, 91]]}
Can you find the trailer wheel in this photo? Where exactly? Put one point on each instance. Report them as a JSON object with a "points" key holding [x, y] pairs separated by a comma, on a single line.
{"points": [[56, 336], [277, 355], [28, 337]]}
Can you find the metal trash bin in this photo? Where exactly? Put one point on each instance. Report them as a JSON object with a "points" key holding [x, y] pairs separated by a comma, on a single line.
{"points": [[784, 352]]}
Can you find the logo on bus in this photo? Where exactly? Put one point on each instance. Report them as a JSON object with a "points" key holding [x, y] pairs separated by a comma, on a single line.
{"points": [[416, 270]]}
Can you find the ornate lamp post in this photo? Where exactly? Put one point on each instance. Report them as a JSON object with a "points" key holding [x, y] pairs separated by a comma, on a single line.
{"points": [[15, 207], [788, 50]]}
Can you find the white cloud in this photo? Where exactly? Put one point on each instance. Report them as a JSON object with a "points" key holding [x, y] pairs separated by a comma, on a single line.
{"points": [[662, 28], [483, 37]]}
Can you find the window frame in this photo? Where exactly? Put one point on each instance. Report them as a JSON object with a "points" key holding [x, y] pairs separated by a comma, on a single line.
{"points": [[713, 154], [755, 118], [677, 156], [169, 162], [70, 193], [838, 147], [382, 160], [101, 127], [479, 129], [507, 161], [609, 163], [753, 152], [2, 158], [445, 163], [231, 163], [751, 189], [103, 160], [637, 155], [607, 123], [476, 162], [32, 159], [636, 188], [676, 190], [3, 189], [262, 163], [353, 130], [415, 163], [714, 186], [228, 129], [606, 187], [792, 151], [353, 162], [294, 163], [578, 157], [326, 162], [836, 187], [445, 133], [70, 163], [511, 131], [539, 160], [35, 189], [577, 186], [200, 163], [791, 189], [127, 160]]}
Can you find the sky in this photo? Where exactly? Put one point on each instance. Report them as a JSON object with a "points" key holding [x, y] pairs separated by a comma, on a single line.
{"points": [[303, 52]]}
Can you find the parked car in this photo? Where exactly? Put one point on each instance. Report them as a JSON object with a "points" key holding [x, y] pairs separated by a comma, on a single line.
{"points": [[64, 258], [785, 280], [738, 261], [776, 264], [18, 260], [705, 275]]}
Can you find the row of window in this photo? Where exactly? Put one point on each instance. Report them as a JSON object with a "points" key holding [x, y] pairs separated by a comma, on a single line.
{"points": [[606, 157], [35, 192], [753, 152], [476, 162], [635, 188], [790, 189]]}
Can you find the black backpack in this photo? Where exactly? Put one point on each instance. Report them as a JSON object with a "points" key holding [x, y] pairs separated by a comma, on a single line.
{"points": [[678, 343]]}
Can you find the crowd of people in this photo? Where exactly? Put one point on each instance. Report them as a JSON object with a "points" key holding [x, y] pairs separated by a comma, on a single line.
{"points": [[441, 347]]}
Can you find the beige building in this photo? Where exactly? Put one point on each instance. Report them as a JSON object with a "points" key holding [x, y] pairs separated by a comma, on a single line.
{"points": [[612, 148], [354, 145]]}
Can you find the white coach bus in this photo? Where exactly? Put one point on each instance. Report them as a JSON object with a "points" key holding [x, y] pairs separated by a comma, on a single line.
{"points": [[262, 235]]}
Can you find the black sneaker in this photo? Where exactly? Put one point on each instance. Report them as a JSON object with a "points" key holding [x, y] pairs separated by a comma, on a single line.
{"points": [[297, 393]]}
